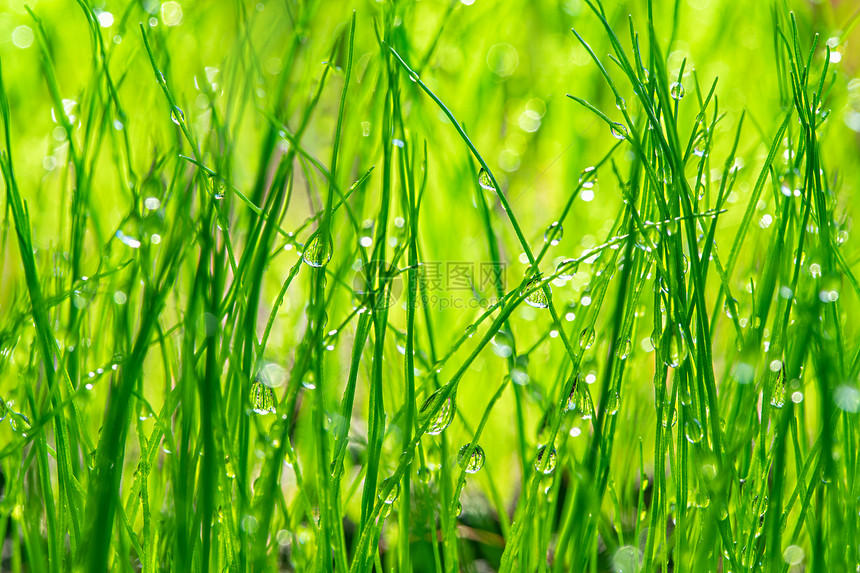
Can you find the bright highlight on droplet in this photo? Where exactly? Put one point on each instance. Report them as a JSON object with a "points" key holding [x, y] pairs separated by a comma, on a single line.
{"points": [[171, 13], [128, 241], [105, 19], [22, 37]]}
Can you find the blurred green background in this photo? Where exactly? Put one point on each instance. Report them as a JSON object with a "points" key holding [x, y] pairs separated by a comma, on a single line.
{"points": [[502, 68]]}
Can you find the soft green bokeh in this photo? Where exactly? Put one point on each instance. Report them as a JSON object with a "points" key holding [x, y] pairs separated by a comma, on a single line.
{"points": [[504, 70]]}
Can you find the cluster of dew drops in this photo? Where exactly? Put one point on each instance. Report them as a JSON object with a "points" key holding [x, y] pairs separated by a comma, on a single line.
{"points": [[536, 293]]}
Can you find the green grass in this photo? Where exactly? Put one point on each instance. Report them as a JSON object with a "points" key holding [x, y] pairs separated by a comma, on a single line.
{"points": [[429, 286]]}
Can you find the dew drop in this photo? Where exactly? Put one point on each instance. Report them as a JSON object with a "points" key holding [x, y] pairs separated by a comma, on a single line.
{"points": [[309, 380], [219, 188], [485, 181], [623, 348], [730, 307], [777, 399], [584, 404], [443, 417], [553, 233], [19, 423], [537, 298], [669, 417], [318, 251], [618, 131], [693, 431], [566, 269], [473, 463], [262, 398], [677, 91], [571, 398], [393, 494], [550, 462], [614, 404], [177, 115], [586, 338], [684, 396], [677, 348]]}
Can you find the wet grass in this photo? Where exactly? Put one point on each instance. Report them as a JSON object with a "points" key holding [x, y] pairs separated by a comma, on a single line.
{"points": [[429, 287]]}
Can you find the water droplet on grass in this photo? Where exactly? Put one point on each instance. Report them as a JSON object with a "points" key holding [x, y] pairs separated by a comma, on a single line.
{"points": [[623, 348], [553, 233], [677, 348], [318, 251], [473, 463], [309, 380], [728, 307], [20, 423], [677, 91], [485, 181], [684, 396], [584, 404], [618, 131], [219, 188], [393, 494], [550, 462], [571, 398], [777, 399], [443, 417], [566, 269], [669, 417], [537, 298], [693, 431], [586, 338], [177, 115], [614, 404], [262, 398]]}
